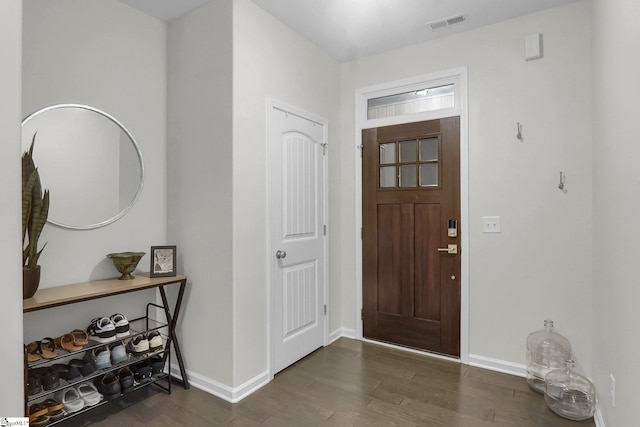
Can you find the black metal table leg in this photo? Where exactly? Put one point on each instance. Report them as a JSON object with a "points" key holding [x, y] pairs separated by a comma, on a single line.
{"points": [[172, 320]]}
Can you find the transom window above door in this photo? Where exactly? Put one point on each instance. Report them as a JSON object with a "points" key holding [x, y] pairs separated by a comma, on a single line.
{"points": [[410, 163], [411, 102]]}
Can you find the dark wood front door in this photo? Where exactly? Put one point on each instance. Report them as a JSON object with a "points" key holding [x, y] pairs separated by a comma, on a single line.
{"points": [[411, 203]]}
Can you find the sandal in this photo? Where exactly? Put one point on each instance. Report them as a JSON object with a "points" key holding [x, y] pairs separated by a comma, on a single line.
{"points": [[47, 348], [32, 352], [37, 410], [81, 338], [67, 342], [55, 409], [40, 421]]}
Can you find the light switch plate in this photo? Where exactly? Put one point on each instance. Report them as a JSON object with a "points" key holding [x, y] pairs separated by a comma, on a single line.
{"points": [[491, 224]]}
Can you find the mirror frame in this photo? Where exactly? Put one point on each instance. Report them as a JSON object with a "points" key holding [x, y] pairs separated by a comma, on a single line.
{"points": [[135, 146]]}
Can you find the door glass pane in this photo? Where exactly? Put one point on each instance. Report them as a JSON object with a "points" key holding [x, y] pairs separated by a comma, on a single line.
{"points": [[388, 176], [408, 176], [387, 153], [428, 174], [429, 149], [408, 152]]}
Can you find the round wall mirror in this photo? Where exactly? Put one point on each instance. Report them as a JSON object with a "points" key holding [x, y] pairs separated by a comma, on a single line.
{"points": [[88, 160]]}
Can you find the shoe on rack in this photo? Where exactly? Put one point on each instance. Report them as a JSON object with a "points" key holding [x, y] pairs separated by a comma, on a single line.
{"points": [[155, 341], [126, 379], [138, 345], [85, 366], [89, 394], [54, 408], [67, 372], [36, 411], [102, 330], [49, 378], [70, 398], [102, 357], [34, 386], [109, 386], [142, 372], [121, 324], [118, 353], [156, 363]]}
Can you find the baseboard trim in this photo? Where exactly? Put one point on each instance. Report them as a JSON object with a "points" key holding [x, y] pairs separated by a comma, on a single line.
{"points": [[498, 365], [342, 332], [223, 391]]}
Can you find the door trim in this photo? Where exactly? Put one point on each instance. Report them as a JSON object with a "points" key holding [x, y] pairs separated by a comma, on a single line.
{"points": [[459, 77], [279, 105]]}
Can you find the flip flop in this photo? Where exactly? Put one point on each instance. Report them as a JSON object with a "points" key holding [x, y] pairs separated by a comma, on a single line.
{"points": [[53, 406], [36, 411], [47, 347], [81, 337], [67, 342], [32, 352]]}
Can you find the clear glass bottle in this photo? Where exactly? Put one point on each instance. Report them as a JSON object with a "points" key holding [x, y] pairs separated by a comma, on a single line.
{"points": [[546, 350], [569, 394]]}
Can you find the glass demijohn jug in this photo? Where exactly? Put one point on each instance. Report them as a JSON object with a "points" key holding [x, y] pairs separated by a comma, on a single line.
{"points": [[546, 350], [569, 394]]}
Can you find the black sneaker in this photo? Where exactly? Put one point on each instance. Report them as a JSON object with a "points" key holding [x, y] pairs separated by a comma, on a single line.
{"points": [[102, 330]]}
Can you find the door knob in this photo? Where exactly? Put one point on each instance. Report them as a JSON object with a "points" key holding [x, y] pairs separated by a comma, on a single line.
{"points": [[450, 249], [281, 255]]}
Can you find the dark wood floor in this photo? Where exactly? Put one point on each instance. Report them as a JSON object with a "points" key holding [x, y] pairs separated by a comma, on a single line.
{"points": [[351, 383]]}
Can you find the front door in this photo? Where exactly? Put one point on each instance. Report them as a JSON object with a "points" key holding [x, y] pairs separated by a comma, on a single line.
{"points": [[297, 155], [411, 235]]}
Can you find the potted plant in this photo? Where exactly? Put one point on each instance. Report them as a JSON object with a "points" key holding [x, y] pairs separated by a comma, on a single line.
{"points": [[35, 209]]}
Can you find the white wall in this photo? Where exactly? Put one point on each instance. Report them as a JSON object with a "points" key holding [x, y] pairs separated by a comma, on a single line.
{"points": [[112, 57], [616, 204], [200, 190], [269, 60], [536, 268], [11, 358]]}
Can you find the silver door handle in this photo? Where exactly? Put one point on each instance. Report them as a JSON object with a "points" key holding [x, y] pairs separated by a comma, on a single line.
{"points": [[281, 255], [450, 249]]}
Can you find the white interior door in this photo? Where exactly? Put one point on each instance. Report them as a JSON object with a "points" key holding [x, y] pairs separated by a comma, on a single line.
{"points": [[297, 152]]}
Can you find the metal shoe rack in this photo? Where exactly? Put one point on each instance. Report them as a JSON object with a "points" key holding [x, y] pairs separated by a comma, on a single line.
{"points": [[142, 325], [79, 292]]}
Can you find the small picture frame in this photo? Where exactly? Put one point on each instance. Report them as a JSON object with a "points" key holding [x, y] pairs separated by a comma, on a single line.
{"points": [[163, 261]]}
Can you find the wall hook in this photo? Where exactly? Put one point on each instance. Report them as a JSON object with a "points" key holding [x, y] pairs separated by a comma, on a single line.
{"points": [[563, 178], [519, 135]]}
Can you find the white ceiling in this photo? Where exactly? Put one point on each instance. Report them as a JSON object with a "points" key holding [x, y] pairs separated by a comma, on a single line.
{"points": [[349, 29]]}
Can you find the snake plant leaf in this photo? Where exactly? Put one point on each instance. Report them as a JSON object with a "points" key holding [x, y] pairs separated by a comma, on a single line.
{"points": [[38, 219], [35, 209], [27, 191]]}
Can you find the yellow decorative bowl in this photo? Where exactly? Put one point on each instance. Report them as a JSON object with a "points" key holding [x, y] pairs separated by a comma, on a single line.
{"points": [[126, 262]]}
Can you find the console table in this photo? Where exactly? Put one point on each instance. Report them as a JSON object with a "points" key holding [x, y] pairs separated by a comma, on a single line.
{"points": [[78, 292]]}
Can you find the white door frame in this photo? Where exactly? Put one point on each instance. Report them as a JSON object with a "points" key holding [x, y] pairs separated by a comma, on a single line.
{"points": [[271, 104], [458, 76]]}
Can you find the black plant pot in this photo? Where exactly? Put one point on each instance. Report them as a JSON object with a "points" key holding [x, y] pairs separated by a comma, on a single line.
{"points": [[30, 281]]}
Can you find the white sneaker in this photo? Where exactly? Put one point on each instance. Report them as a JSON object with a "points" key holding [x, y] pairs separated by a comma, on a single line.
{"points": [[102, 330], [155, 341], [121, 324]]}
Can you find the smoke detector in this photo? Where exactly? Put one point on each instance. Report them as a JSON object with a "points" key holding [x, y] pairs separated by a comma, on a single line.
{"points": [[447, 22]]}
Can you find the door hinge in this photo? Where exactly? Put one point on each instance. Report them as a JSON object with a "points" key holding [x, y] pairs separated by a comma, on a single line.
{"points": [[324, 148], [325, 229], [361, 234], [362, 314], [325, 309], [361, 147]]}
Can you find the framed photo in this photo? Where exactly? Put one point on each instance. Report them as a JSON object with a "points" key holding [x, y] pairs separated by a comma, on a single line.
{"points": [[163, 261]]}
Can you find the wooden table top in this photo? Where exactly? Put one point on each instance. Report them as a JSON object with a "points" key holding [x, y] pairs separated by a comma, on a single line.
{"points": [[69, 294]]}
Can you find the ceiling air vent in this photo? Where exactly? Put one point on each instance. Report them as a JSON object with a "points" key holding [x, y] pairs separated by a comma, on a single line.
{"points": [[447, 22]]}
